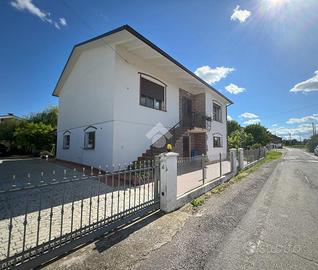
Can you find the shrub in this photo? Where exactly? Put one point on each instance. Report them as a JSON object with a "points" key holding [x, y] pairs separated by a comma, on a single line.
{"points": [[312, 143]]}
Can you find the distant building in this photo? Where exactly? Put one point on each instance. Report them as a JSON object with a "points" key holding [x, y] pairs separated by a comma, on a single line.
{"points": [[9, 116], [276, 142]]}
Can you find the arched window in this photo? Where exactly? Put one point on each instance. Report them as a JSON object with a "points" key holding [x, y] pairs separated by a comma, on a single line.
{"points": [[217, 140], [89, 137], [66, 139]]}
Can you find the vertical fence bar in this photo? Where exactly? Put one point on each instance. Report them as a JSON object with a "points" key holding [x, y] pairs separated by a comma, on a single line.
{"points": [[220, 160], [135, 181], [112, 195], [105, 195], [129, 199], [139, 182], [90, 197], [39, 220], [118, 190], [98, 177], [124, 187], [144, 170], [25, 220], [62, 208], [10, 227], [156, 177], [148, 178]]}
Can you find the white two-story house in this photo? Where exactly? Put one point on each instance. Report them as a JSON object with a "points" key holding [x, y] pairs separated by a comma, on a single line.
{"points": [[121, 98]]}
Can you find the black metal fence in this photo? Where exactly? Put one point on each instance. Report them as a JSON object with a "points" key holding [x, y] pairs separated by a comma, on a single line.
{"points": [[41, 220], [194, 172]]}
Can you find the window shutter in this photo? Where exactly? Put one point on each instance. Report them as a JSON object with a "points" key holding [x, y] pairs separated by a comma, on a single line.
{"points": [[151, 89]]}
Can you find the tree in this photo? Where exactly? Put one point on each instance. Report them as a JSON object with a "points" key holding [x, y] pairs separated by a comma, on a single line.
{"points": [[7, 129], [232, 126], [35, 136], [48, 116], [239, 138], [259, 133], [312, 143]]}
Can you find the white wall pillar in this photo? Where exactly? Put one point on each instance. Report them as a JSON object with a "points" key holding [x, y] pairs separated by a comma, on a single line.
{"points": [[168, 181], [241, 158], [233, 159]]}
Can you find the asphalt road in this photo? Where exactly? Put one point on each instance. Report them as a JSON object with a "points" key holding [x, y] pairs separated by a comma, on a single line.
{"points": [[268, 221]]}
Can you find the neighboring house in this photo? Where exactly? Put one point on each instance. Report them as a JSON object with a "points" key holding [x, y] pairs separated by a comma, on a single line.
{"points": [[9, 116], [119, 94], [276, 142]]}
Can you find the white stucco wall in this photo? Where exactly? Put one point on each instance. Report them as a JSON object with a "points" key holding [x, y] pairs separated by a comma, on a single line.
{"points": [[131, 120], [216, 128], [87, 99], [103, 91]]}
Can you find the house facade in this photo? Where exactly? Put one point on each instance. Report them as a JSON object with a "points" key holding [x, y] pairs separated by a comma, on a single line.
{"points": [[122, 99]]}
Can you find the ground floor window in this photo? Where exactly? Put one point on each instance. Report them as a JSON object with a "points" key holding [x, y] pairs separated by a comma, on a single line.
{"points": [[217, 141], [66, 140], [89, 139]]}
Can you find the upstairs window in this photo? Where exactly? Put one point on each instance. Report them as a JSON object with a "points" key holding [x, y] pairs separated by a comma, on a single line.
{"points": [[217, 141], [217, 112], [152, 93], [89, 138], [66, 140]]}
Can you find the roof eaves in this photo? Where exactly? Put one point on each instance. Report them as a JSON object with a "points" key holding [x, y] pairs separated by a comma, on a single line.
{"points": [[149, 43]]}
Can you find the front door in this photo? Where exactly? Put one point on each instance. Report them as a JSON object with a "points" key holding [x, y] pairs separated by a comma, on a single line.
{"points": [[187, 111], [186, 146]]}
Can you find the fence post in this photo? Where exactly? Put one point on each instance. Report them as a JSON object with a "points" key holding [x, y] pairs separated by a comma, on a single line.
{"points": [[156, 177], [203, 165], [168, 181], [233, 159], [241, 158]]}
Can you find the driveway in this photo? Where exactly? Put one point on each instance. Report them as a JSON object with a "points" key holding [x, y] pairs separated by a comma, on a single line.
{"points": [[57, 200]]}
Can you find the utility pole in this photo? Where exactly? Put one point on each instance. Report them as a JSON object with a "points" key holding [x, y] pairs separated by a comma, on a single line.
{"points": [[313, 128]]}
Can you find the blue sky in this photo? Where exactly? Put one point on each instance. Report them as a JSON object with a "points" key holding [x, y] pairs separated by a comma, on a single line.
{"points": [[262, 54]]}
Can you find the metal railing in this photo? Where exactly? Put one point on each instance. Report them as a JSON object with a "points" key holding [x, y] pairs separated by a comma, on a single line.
{"points": [[194, 172], [44, 218]]}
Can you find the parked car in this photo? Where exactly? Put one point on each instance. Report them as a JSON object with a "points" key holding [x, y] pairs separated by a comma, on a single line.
{"points": [[316, 150]]}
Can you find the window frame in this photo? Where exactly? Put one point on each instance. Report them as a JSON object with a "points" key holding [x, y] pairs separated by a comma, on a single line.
{"points": [[65, 135], [219, 106], [221, 140], [163, 103], [87, 131]]}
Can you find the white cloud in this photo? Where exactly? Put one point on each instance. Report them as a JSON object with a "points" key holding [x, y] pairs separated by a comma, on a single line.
{"points": [[234, 89], [63, 21], [248, 115], [309, 85], [304, 130], [213, 75], [252, 121], [308, 118], [229, 118], [240, 14], [28, 5], [274, 125]]}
